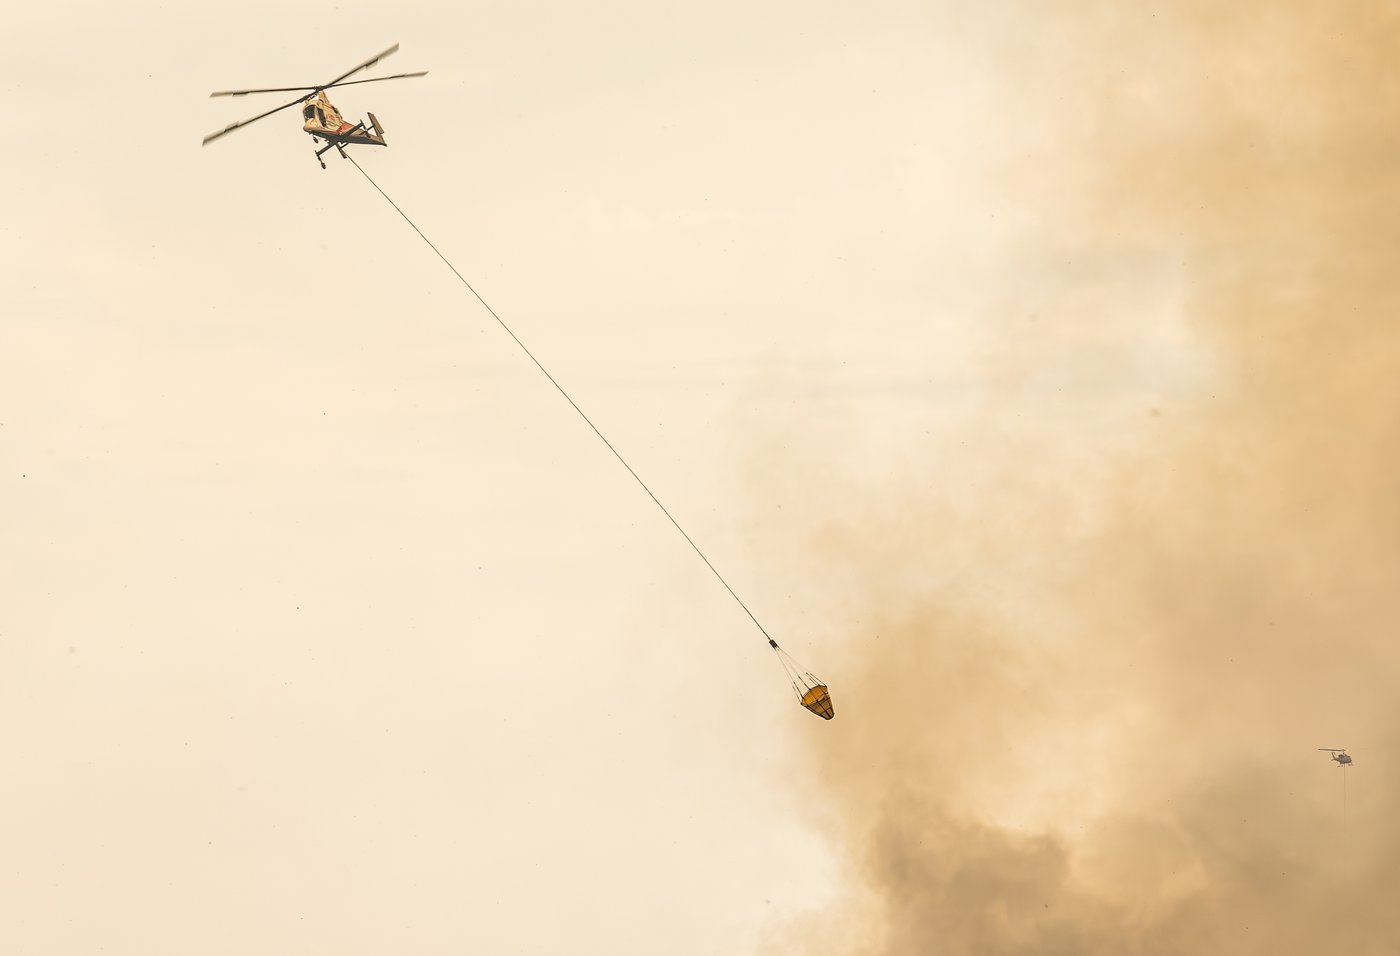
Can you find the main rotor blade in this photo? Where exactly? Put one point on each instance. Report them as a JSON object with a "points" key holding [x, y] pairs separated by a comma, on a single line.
{"points": [[275, 89], [397, 76], [233, 126], [363, 66], [313, 89]]}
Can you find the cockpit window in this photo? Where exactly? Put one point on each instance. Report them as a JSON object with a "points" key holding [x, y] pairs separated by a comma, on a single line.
{"points": [[309, 112]]}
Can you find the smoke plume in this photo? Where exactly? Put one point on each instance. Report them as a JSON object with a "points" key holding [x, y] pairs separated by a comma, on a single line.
{"points": [[1079, 710]]}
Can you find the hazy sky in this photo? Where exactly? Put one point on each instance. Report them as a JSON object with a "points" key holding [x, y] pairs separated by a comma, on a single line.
{"points": [[1029, 370]]}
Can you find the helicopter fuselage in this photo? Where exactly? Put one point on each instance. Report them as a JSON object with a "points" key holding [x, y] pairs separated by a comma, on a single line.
{"points": [[323, 121]]}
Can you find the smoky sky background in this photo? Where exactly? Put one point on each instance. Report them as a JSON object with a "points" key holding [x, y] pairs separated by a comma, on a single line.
{"points": [[1086, 727], [1026, 369]]}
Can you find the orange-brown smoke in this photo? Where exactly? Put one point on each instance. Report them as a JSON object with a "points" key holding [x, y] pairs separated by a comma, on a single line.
{"points": [[1070, 726]]}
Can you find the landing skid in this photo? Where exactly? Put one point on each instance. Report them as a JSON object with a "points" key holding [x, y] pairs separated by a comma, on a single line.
{"points": [[337, 146], [327, 148]]}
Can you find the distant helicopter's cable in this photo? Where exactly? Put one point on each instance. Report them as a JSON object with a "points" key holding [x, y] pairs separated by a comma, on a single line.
{"points": [[616, 454]]}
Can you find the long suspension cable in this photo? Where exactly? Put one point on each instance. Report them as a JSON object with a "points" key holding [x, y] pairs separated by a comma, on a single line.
{"points": [[552, 381]]}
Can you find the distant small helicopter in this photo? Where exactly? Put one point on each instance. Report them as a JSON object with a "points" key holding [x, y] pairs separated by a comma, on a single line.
{"points": [[1338, 755], [322, 120]]}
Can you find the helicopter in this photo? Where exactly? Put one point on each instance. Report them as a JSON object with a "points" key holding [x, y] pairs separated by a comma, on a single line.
{"points": [[321, 119], [1343, 760]]}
